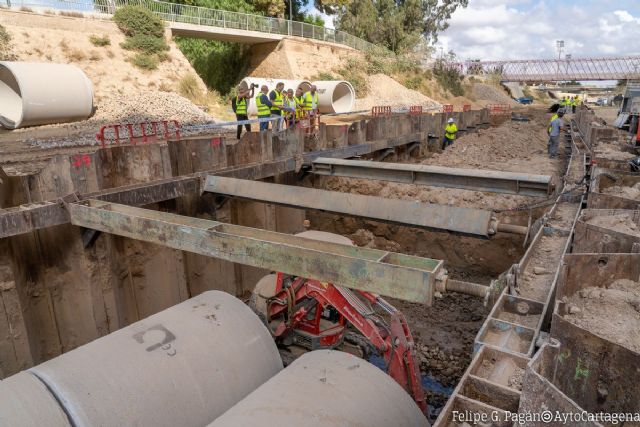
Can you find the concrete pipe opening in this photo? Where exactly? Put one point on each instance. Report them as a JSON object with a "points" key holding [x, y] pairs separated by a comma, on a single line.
{"points": [[326, 388], [37, 94], [184, 366], [335, 96]]}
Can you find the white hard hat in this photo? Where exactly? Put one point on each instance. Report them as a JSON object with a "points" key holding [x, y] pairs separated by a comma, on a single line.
{"points": [[450, 120]]}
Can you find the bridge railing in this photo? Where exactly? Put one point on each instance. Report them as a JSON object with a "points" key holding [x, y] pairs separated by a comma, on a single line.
{"points": [[173, 12]]}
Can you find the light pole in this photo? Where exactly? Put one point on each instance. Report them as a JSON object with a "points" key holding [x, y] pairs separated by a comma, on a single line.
{"points": [[290, 17], [560, 48], [568, 58]]}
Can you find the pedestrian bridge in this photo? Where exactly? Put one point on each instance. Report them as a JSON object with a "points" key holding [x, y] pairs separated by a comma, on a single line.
{"points": [[206, 23], [549, 70]]}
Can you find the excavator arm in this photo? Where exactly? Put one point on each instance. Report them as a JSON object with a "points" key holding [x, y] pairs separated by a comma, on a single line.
{"points": [[394, 342]]}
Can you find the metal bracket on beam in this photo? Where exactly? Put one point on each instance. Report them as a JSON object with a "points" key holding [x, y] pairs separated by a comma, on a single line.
{"points": [[471, 221], [387, 273], [437, 176]]}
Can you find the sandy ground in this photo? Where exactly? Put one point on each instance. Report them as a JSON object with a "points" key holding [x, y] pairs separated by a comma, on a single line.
{"points": [[612, 313], [383, 90], [624, 191], [621, 223]]}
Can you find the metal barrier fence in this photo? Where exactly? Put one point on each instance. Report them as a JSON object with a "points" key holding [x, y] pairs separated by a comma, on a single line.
{"points": [[173, 12]]}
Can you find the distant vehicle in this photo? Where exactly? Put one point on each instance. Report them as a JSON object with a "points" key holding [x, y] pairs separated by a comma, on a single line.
{"points": [[601, 102], [524, 100]]}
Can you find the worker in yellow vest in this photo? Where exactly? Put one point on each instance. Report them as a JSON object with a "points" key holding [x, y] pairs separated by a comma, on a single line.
{"points": [[290, 108], [450, 132], [573, 104], [555, 116], [240, 106], [299, 97], [264, 107], [311, 106], [277, 104]]}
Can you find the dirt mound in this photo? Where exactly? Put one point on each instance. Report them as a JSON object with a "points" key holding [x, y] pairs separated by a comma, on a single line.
{"points": [[612, 313], [621, 223], [383, 90], [512, 146], [491, 94], [624, 191]]}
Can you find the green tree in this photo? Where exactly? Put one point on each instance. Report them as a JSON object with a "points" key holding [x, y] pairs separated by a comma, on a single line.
{"points": [[397, 24]]}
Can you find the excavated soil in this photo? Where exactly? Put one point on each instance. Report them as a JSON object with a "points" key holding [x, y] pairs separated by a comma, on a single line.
{"points": [[536, 281], [504, 372], [621, 223], [624, 191], [612, 313]]}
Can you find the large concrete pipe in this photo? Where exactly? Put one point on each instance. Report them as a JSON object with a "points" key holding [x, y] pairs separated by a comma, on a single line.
{"points": [[38, 93], [26, 402], [326, 388], [335, 96], [184, 366], [305, 85]]}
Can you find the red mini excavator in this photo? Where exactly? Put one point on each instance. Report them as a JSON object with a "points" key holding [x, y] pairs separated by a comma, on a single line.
{"points": [[312, 315]]}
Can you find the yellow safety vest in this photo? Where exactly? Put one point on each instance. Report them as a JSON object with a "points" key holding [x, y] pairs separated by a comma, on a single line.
{"points": [[263, 109], [277, 101], [241, 106], [555, 116], [309, 100], [450, 131], [299, 105]]}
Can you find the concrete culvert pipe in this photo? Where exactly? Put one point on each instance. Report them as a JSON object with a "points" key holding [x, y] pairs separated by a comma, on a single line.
{"points": [[305, 85], [184, 366], [38, 94], [335, 96], [326, 388], [26, 402]]}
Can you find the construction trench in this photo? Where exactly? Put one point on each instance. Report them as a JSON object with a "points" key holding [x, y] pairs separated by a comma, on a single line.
{"points": [[94, 241]]}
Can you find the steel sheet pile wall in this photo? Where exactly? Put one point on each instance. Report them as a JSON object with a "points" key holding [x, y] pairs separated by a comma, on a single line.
{"points": [[507, 339], [60, 294]]}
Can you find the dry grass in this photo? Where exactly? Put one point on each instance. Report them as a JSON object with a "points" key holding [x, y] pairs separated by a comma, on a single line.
{"points": [[64, 45], [71, 14], [110, 53], [99, 41], [94, 56], [76, 55]]}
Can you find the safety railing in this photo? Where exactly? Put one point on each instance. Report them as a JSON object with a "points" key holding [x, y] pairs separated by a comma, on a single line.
{"points": [[173, 12]]}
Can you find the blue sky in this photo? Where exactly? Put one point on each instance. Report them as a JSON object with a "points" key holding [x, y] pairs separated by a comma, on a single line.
{"points": [[511, 29]]}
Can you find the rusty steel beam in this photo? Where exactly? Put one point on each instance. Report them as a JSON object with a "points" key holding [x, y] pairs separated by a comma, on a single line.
{"points": [[471, 221], [387, 273], [35, 216], [438, 176]]}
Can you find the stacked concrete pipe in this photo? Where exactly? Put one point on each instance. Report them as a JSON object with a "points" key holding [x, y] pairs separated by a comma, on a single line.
{"points": [[184, 366], [326, 388], [334, 96], [42, 93]]}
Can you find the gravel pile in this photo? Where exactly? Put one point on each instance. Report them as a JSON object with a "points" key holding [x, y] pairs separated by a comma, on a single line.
{"points": [[491, 94], [116, 108], [144, 106]]}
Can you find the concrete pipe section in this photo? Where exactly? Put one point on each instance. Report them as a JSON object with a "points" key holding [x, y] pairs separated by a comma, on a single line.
{"points": [[326, 388], [38, 94], [184, 366], [26, 402], [305, 85], [335, 96]]}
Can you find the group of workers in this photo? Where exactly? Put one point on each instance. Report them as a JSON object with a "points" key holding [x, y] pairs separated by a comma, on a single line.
{"points": [[570, 102], [284, 106]]}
